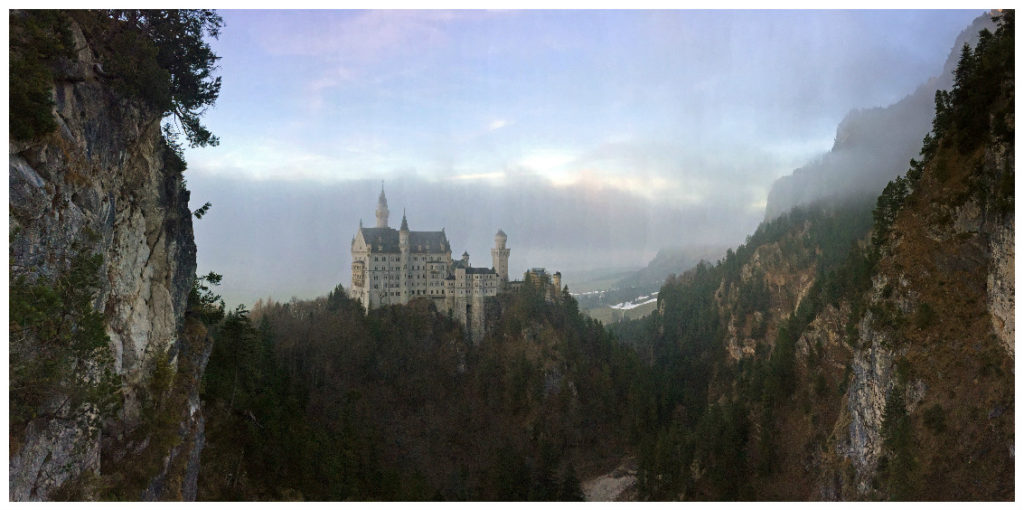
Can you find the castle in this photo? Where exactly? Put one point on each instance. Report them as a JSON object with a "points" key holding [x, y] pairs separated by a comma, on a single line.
{"points": [[394, 266]]}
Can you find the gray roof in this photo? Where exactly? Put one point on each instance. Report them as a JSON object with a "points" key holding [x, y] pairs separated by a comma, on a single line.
{"points": [[385, 240], [479, 270]]}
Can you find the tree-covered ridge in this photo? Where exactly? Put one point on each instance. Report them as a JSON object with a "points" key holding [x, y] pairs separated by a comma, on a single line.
{"points": [[761, 426], [705, 410], [944, 229], [974, 111], [317, 400]]}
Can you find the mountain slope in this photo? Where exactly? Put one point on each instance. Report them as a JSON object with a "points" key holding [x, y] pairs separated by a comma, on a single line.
{"points": [[803, 368], [941, 296], [319, 400]]}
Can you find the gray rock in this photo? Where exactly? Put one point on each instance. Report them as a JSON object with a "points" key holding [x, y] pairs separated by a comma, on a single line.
{"points": [[103, 173]]}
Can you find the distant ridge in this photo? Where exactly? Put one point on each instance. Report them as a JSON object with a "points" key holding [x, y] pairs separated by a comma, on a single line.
{"points": [[673, 260]]}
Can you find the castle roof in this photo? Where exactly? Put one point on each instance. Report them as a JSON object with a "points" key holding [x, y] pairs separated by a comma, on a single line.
{"points": [[458, 264], [385, 240]]}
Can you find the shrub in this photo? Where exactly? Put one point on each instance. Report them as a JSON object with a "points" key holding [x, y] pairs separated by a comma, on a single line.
{"points": [[38, 38], [924, 316], [935, 418], [61, 366]]}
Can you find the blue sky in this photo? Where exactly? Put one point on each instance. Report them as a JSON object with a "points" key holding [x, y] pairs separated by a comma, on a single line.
{"points": [[668, 110]]}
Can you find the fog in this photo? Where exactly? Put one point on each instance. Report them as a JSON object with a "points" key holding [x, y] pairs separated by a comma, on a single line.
{"points": [[293, 239], [872, 146], [592, 138]]}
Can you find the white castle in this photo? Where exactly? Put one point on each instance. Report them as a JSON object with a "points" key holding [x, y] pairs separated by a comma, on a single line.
{"points": [[395, 266]]}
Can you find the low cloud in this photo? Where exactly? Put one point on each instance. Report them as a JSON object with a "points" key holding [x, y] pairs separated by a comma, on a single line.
{"points": [[289, 238]]}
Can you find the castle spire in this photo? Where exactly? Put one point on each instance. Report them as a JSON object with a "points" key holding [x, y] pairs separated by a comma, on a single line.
{"points": [[382, 208], [405, 224]]}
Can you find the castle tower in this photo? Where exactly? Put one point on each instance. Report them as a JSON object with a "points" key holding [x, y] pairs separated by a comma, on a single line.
{"points": [[556, 280], [403, 234], [499, 255], [382, 209], [403, 249]]}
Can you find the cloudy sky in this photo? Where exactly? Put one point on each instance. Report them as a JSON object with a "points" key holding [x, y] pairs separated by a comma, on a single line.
{"points": [[593, 138]]}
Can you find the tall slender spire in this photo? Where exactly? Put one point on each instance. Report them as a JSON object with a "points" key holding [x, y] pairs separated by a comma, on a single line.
{"points": [[405, 224], [382, 208]]}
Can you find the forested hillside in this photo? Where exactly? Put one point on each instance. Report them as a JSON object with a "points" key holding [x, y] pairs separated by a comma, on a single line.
{"points": [[317, 400], [821, 361]]}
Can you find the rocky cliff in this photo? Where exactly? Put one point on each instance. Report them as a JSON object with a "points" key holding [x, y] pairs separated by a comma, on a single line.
{"points": [[104, 183], [923, 355], [937, 336]]}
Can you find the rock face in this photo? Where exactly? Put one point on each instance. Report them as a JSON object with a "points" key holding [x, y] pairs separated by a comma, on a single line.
{"points": [[100, 184], [871, 380], [1001, 285]]}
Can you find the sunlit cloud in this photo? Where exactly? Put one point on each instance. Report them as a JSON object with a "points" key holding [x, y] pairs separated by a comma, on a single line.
{"points": [[547, 160], [497, 124], [485, 176]]}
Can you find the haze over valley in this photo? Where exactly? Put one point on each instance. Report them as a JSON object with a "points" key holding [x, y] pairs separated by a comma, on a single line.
{"points": [[595, 139]]}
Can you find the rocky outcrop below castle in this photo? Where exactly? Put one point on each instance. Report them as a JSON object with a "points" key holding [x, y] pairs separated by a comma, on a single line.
{"points": [[101, 185]]}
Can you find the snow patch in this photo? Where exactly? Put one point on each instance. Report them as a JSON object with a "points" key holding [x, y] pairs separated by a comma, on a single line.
{"points": [[640, 301]]}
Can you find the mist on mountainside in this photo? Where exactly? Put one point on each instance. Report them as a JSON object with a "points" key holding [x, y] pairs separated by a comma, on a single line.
{"points": [[674, 260], [872, 145]]}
